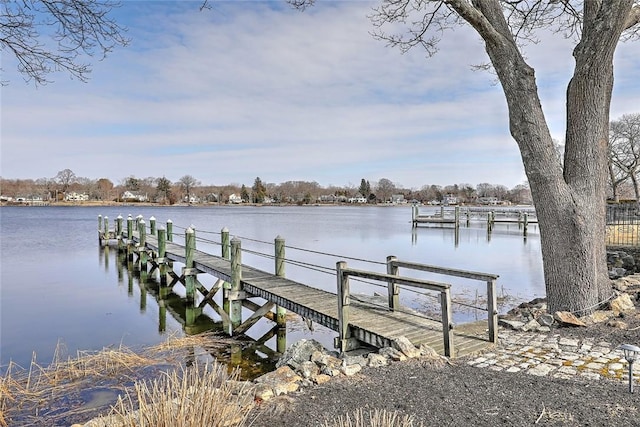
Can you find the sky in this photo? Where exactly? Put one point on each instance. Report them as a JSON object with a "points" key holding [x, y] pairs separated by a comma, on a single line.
{"points": [[256, 89]]}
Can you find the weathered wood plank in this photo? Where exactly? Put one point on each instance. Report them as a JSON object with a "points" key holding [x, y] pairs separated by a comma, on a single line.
{"points": [[374, 325]]}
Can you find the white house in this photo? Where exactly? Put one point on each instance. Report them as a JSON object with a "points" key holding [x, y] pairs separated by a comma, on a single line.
{"points": [[235, 199], [76, 197], [134, 196]]}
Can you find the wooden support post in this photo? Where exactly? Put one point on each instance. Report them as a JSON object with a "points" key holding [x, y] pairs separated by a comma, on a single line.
{"points": [[190, 276], [526, 224], [447, 324], [492, 310], [100, 230], [119, 233], [226, 286], [105, 234], [468, 220], [414, 215], [161, 260], [169, 230], [281, 313], [235, 296], [224, 237], [129, 239], [344, 333], [152, 226], [442, 212], [142, 249], [457, 216], [138, 219], [393, 288]]}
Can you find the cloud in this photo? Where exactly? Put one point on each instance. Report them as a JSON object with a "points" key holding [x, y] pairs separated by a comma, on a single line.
{"points": [[256, 89]]}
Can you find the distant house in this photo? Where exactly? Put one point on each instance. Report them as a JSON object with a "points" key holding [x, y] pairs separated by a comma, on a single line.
{"points": [[358, 199], [449, 199], [235, 199], [398, 198], [132, 196], [76, 197], [488, 200], [192, 200]]}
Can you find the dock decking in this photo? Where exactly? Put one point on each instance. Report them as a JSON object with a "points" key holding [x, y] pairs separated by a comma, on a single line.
{"points": [[370, 324]]}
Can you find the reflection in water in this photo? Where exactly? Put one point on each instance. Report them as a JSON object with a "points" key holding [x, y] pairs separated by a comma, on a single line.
{"points": [[92, 301], [254, 357]]}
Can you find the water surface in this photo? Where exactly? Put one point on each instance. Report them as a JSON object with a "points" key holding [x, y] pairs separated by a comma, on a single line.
{"points": [[58, 286]]}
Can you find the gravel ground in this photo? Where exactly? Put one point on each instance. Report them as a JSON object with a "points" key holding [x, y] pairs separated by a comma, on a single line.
{"points": [[460, 395]]}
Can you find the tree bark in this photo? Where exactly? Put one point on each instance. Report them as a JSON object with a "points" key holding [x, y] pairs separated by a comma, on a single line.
{"points": [[571, 201]]}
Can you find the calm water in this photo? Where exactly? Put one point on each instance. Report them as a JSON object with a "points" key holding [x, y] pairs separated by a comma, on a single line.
{"points": [[57, 285]]}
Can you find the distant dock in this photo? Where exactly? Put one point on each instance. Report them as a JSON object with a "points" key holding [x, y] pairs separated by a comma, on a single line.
{"points": [[455, 215]]}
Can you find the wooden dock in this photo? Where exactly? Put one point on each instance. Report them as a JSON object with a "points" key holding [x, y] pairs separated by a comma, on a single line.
{"points": [[454, 216], [358, 321]]}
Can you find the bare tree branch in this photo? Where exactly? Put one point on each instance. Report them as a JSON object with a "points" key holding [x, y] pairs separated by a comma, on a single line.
{"points": [[46, 36]]}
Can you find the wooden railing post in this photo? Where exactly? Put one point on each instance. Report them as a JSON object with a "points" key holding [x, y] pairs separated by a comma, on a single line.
{"points": [[447, 324], [281, 313], [129, 238], [189, 250], [106, 231], [457, 216], [235, 301], [492, 309], [343, 307], [142, 250], [100, 229], [162, 261], [414, 215], [119, 233], [152, 226], [393, 289], [224, 240], [226, 286], [169, 230]]}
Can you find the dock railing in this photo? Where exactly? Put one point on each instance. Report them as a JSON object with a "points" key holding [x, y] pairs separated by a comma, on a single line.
{"points": [[393, 266], [344, 301], [393, 280]]}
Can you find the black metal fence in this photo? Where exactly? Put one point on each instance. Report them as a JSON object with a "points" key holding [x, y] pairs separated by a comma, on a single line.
{"points": [[623, 225]]}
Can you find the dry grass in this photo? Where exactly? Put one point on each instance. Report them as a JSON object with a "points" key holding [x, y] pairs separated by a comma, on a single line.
{"points": [[375, 418], [193, 396], [43, 391]]}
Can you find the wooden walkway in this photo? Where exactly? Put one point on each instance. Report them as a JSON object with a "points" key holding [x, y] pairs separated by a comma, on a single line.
{"points": [[357, 319], [374, 325]]}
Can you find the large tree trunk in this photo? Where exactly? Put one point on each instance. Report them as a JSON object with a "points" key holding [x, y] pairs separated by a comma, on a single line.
{"points": [[570, 201]]}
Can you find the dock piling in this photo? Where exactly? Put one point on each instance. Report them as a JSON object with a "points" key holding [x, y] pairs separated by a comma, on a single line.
{"points": [[393, 289], [235, 300]]}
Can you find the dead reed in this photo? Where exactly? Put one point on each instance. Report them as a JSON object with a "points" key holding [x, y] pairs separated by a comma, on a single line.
{"points": [[375, 418], [38, 392], [193, 396]]}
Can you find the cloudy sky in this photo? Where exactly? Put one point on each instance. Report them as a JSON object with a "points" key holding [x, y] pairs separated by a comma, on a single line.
{"points": [[256, 89]]}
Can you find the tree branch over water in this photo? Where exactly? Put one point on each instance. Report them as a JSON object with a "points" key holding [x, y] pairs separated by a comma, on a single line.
{"points": [[47, 36]]}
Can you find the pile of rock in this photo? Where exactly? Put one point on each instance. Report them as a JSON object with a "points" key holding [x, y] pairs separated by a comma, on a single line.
{"points": [[533, 315], [307, 363], [622, 262]]}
